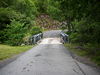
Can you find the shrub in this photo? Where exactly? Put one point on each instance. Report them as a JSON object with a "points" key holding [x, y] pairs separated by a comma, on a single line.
{"points": [[8, 14], [93, 49], [7, 17], [35, 30], [15, 33], [74, 37]]}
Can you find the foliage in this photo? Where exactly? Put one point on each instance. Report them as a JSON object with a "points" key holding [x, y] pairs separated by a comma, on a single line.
{"points": [[83, 24], [54, 12], [6, 3], [15, 33], [6, 15], [26, 7], [16, 20], [82, 19], [90, 51], [53, 9], [74, 38], [41, 5], [35, 30]]}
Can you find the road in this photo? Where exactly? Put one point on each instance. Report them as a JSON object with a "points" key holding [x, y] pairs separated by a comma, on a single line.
{"points": [[49, 57]]}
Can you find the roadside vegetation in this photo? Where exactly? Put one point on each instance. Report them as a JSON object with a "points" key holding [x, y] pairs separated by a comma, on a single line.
{"points": [[83, 25], [7, 51], [84, 51], [17, 21]]}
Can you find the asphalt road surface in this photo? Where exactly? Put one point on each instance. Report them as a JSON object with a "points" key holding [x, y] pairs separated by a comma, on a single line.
{"points": [[49, 57]]}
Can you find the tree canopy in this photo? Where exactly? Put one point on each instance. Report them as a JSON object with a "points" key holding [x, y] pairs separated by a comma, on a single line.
{"points": [[81, 17]]}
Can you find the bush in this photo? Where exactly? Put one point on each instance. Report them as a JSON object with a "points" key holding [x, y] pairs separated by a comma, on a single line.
{"points": [[74, 37], [35, 30], [93, 49], [88, 32], [7, 15], [15, 33]]}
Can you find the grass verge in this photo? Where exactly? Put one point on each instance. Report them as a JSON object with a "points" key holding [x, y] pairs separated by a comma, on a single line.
{"points": [[9, 51], [85, 52]]}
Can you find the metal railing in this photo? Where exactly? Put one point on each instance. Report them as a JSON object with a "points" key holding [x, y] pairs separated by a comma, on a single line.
{"points": [[35, 38], [64, 37]]}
